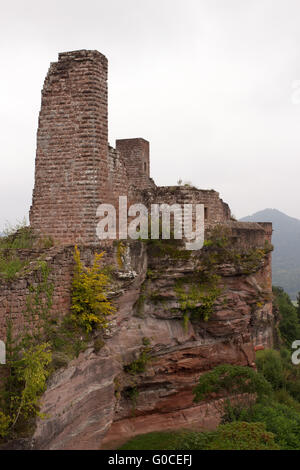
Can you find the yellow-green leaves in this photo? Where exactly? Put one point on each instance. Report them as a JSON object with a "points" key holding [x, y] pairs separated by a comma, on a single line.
{"points": [[90, 306]]}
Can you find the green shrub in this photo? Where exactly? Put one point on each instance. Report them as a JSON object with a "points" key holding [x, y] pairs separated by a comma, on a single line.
{"points": [[289, 325], [152, 441], [98, 344], [5, 422], [269, 364], [279, 419], [231, 436], [90, 305], [139, 365], [26, 381], [231, 380], [283, 397], [15, 238]]}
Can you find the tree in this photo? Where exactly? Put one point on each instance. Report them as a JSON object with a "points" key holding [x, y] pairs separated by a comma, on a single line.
{"points": [[298, 306], [90, 305], [230, 436], [289, 325], [228, 380]]}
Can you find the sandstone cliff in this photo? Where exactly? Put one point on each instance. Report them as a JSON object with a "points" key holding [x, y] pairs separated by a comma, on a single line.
{"points": [[178, 314]]}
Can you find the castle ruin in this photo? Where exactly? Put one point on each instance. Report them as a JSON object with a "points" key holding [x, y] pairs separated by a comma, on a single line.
{"points": [[76, 170]]}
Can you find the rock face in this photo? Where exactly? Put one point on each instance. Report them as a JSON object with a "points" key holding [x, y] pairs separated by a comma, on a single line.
{"points": [[142, 379]]}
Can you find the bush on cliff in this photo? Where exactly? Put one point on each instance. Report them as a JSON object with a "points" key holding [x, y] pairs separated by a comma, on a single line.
{"points": [[270, 364], [280, 372], [17, 238], [90, 305], [228, 380], [27, 372], [289, 325]]}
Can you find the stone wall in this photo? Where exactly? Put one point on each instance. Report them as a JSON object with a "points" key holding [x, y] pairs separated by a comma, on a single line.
{"points": [[135, 153], [14, 294], [71, 170], [215, 210]]}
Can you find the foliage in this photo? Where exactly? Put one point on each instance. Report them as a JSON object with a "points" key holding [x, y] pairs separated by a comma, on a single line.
{"points": [[141, 301], [279, 419], [269, 363], [98, 344], [28, 359], [90, 305], [278, 369], [139, 365], [233, 436], [67, 339], [231, 380], [283, 396], [4, 424], [46, 344], [218, 249], [289, 325], [152, 441], [16, 238], [280, 412], [38, 305], [27, 374], [196, 300], [121, 251], [132, 393], [146, 341], [171, 248], [32, 372]]}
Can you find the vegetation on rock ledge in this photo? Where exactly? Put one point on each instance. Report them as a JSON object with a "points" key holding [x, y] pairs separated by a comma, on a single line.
{"points": [[90, 305]]}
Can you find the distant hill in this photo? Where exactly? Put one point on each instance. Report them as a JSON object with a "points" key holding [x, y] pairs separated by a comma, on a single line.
{"points": [[286, 241]]}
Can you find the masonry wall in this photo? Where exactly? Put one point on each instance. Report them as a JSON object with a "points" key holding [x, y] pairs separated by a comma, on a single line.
{"points": [[135, 154], [71, 169], [250, 234], [60, 260], [215, 210]]}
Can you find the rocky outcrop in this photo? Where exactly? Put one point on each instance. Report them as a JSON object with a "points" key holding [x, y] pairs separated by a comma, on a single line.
{"points": [[142, 379]]}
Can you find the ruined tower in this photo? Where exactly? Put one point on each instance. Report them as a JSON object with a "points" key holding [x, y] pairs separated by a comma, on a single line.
{"points": [[71, 170], [135, 153], [75, 168]]}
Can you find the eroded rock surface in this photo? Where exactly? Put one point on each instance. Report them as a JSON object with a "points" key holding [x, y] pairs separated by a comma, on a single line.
{"points": [[97, 403]]}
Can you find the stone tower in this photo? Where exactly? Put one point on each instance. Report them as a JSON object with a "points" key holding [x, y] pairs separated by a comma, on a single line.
{"points": [[71, 169], [135, 153]]}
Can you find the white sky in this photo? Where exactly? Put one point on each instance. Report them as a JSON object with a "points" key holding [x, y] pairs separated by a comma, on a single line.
{"points": [[208, 82]]}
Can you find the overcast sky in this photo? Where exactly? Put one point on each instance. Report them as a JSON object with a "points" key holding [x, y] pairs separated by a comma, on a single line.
{"points": [[214, 85]]}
